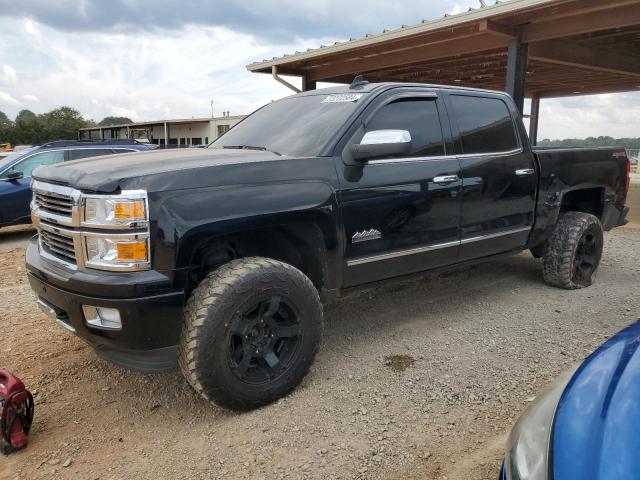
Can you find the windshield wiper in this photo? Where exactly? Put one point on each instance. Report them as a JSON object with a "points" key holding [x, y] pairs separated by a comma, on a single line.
{"points": [[250, 147]]}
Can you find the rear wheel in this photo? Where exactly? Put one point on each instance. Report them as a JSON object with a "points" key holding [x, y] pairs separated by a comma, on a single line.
{"points": [[573, 252], [251, 331]]}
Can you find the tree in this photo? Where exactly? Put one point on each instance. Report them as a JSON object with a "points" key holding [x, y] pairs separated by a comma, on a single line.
{"points": [[63, 123], [114, 121], [28, 129], [4, 120]]}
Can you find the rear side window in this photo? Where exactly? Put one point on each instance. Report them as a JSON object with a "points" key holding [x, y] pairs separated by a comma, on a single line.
{"points": [[419, 116], [88, 152], [485, 124]]}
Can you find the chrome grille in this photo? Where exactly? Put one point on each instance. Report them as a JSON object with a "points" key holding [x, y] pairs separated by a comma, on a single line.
{"points": [[58, 245], [53, 203]]}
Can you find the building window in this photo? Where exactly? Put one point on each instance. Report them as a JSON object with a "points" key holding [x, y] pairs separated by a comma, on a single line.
{"points": [[196, 141], [222, 129], [206, 140]]}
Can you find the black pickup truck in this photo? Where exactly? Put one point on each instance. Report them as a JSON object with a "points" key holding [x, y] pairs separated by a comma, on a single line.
{"points": [[216, 260]]}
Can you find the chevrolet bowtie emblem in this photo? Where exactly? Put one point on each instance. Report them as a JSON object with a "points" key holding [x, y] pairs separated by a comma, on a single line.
{"points": [[365, 235]]}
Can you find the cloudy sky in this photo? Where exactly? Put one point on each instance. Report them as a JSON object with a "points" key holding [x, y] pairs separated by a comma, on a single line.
{"points": [[169, 58]]}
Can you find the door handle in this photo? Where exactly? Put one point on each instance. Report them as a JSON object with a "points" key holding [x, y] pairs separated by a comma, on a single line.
{"points": [[446, 179], [525, 171]]}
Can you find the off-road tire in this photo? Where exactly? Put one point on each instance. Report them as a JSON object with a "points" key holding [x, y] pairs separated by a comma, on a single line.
{"points": [[221, 297], [559, 263]]}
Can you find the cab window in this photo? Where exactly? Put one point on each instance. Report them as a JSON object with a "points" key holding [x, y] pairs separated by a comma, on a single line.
{"points": [[27, 165], [485, 124], [418, 116]]}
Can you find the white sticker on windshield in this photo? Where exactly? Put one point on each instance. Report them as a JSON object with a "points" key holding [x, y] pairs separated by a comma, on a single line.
{"points": [[343, 97]]}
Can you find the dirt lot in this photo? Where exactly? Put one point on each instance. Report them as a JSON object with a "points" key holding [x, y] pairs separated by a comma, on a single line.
{"points": [[421, 380]]}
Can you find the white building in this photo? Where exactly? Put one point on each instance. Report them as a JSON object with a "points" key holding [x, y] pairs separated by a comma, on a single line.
{"points": [[181, 133]]}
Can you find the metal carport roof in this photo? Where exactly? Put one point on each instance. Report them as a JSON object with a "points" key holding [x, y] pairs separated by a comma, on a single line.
{"points": [[573, 47]]}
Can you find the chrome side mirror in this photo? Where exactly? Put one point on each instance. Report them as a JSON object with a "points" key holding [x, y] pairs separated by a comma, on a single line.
{"points": [[382, 143]]}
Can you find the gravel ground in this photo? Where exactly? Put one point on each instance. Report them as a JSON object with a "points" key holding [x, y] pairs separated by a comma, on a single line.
{"points": [[420, 380]]}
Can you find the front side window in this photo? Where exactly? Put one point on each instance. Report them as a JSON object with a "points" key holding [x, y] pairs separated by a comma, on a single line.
{"points": [[485, 124], [27, 165], [418, 116]]}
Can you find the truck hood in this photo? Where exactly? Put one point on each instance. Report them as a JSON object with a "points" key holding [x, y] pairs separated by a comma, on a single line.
{"points": [[148, 170], [595, 434]]}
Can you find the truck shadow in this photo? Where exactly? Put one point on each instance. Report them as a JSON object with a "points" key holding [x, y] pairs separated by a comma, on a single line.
{"points": [[388, 308]]}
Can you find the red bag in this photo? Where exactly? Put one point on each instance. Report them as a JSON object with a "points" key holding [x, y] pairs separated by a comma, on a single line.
{"points": [[16, 413]]}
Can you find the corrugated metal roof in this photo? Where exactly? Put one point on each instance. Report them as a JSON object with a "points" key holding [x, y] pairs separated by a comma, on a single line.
{"points": [[447, 21]]}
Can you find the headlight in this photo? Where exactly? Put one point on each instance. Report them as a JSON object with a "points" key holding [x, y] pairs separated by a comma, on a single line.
{"points": [[117, 252], [528, 444], [128, 209]]}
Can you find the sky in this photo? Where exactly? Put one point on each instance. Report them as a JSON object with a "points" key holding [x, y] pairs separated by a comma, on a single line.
{"points": [[150, 60]]}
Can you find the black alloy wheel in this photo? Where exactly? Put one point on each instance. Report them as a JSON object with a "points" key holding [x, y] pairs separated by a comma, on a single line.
{"points": [[264, 341], [586, 258]]}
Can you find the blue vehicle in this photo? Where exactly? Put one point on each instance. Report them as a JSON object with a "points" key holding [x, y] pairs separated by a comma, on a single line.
{"points": [[586, 424], [16, 168]]}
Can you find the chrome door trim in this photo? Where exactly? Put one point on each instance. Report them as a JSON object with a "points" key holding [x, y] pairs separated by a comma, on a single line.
{"points": [[400, 253], [427, 248], [492, 154], [511, 231], [384, 161]]}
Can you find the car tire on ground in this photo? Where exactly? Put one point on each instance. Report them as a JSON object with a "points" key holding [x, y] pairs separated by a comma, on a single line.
{"points": [[573, 252], [251, 331]]}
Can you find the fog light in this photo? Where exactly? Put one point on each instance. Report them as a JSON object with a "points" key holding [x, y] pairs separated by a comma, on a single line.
{"points": [[101, 317]]}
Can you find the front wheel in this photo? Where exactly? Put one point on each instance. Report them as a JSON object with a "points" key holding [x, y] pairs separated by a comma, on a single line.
{"points": [[573, 252], [251, 331]]}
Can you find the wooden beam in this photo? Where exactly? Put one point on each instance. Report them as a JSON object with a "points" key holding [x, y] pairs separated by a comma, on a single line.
{"points": [[621, 16], [495, 28], [618, 88], [471, 44], [308, 84], [576, 54]]}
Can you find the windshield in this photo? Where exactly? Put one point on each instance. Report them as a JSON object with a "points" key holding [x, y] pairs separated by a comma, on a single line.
{"points": [[9, 159], [297, 126]]}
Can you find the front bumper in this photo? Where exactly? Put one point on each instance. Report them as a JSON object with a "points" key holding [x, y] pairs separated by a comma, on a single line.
{"points": [[151, 312]]}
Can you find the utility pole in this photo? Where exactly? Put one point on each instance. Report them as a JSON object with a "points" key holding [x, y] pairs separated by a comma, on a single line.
{"points": [[212, 108]]}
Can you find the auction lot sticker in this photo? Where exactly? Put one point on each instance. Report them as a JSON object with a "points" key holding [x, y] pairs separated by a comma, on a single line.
{"points": [[343, 97]]}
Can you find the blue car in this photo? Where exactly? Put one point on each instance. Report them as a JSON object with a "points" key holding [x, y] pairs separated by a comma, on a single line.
{"points": [[16, 168], [586, 425]]}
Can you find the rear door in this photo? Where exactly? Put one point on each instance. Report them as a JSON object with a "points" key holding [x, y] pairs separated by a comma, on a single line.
{"points": [[397, 217], [498, 174]]}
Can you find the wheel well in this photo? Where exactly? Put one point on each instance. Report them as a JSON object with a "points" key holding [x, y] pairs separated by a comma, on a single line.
{"points": [[588, 200], [300, 245]]}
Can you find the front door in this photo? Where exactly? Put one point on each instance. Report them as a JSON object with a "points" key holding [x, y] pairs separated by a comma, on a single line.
{"points": [[498, 175], [401, 214]]}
